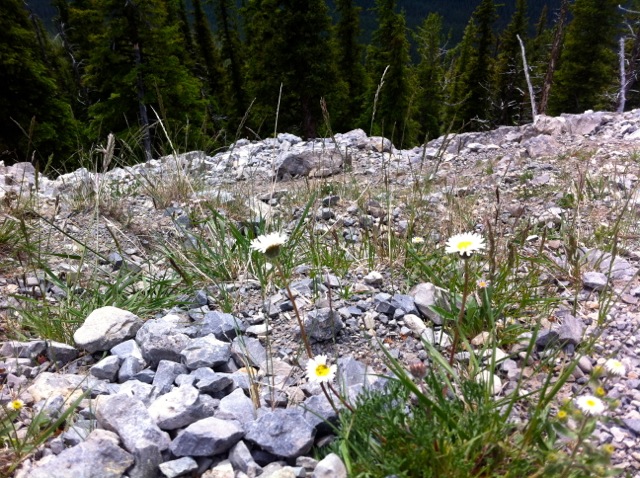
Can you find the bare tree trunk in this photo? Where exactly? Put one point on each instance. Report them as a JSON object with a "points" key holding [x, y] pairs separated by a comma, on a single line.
{"points": [[534, 110], [622, 95], [144, 117], [556, 49]]}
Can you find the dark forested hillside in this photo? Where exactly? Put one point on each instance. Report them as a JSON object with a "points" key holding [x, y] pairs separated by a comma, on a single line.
{"points": [[456, 13], [197, 74]]}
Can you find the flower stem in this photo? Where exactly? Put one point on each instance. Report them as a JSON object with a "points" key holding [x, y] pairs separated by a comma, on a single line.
{"points": [[303, 332], [465, 294]]}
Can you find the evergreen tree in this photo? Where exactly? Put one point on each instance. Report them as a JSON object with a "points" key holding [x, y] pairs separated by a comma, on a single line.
{"points": [[135, 63], [389, 113], [510, 84], [349, 62], [470, 90], [32, 117], [430, 76], [307, 72], [588, 61], [210, 55], [231, 52]]}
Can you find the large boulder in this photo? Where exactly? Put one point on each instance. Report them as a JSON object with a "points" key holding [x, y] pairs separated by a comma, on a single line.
{"points": [[105, 328]]}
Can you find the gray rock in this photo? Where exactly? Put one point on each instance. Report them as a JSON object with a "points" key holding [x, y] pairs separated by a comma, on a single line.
{"points": [[107, 368], [571, 330], [248, 351], [283, 432], [319, 413], [241, 459], [178, 408], [61, 354], [425, 296], [541, 146], [209, 381], [373, 278], [99, 456], [632, 424], [404, 302], [30, 349], [106, 327], [129, 418], [415, 324], [236, 406], [331, 466], [351, 372], [594, 280], [206, 351], [224, 326], [166, 374], [179, 467], [323, 324], [309, 163], [128, 348], [129, 368], [144, 392], [159, 340], [617, 268], [207, 437]]}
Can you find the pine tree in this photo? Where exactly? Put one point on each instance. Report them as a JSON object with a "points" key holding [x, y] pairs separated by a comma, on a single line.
{"points": [[390, 113], [349, 62], [307, 72], [588, 61], [510, 85], [430, 76], [469, 98], [231, 53], [134, 65], [32, 117], [213, 73]]}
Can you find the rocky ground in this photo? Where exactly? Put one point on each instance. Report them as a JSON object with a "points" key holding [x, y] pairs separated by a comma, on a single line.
{"points": [[172, 392]]}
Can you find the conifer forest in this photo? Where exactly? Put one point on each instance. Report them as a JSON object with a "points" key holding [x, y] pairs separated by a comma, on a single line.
{"points": [[168, 74]]}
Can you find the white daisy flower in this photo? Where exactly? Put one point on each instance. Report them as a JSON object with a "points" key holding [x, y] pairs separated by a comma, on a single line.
{"points": [[318, 371], [16, 405], [465, 244], [615, 367], [590, 405], [269, 244], [417, 240]]}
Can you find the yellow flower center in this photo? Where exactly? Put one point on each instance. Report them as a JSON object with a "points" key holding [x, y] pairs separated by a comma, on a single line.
{"points": [[562, 415], [322, 370], [590, 402], [600, 392], [464, 244]]}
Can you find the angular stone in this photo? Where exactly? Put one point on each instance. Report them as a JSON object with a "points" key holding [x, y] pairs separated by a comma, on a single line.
{"points": [[180, 467], [48, 384], [306, 163], [178, 408], [106, 327], [61, 354], [159, 340], [415, 324], [319, 413], [425, 296], [331, 466], [144, 392], [166, 374], [223, 326], [130, 367], [247, 351], [571, 330], [241, 459], [283, 432], [404, 302], [323, 324], [107, 368], [206, 351], [594, 280], [207, 437], [208, 381], [236, 406], [15, 349], [98, 456], [373, 278], [129, 418]]}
